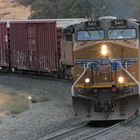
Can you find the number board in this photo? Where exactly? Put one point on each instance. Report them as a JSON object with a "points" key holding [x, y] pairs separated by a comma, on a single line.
{"points": [[119, 23], [92, 24], [68, 30]]}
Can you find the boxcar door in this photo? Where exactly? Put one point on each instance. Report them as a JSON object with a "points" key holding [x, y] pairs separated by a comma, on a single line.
{"points": [[32, 46]]}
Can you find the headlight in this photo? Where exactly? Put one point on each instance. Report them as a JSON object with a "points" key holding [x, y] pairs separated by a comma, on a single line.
{"points": [[104, 50], [87, 80], [121, 79]]}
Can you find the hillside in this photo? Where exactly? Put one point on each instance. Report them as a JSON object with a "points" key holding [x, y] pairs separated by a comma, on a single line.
{"points": [[10, 9]]}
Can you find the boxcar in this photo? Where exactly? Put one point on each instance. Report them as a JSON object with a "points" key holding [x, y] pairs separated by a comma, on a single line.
{"points": [[33, 46]]}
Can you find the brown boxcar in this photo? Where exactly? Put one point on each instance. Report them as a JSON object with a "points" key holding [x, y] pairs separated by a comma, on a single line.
{"points": [[4, 57], [34, 46]]}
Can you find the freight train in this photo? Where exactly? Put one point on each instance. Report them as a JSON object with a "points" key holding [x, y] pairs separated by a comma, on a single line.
{"points": [[36, 46], [106, 69]]}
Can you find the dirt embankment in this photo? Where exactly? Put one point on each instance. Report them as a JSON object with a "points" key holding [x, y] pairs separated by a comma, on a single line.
{"points": [[10, 9]]}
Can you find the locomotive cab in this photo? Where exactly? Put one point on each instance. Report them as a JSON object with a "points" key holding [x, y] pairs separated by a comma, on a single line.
{"points": [[106, 69]]}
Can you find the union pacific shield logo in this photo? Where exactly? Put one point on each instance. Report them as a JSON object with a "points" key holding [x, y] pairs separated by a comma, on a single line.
{"points": [[114, 64]]}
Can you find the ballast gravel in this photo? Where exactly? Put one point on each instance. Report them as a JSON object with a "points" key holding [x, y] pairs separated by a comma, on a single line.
{"points": [[47, 117], [42, 118]]}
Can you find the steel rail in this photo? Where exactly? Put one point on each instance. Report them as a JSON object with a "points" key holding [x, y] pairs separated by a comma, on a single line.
{"points": [[100, 132], [63, 134]]}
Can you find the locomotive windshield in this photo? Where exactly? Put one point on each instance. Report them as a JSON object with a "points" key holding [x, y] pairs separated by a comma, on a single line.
{"points": [[122, 34], [90, 35]]}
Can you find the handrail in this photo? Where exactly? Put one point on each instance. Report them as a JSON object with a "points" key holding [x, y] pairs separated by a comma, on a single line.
{"points": [[85, 69], [131, 76]]}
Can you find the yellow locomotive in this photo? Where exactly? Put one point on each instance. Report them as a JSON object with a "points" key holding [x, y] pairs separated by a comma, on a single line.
{"points": [[106, 69]]}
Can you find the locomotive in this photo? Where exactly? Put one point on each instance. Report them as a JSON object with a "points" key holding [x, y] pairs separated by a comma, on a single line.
{"points": [[106, 55]]}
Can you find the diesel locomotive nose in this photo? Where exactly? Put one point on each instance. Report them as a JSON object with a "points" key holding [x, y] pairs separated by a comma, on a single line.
{"points": [[106, 69]]}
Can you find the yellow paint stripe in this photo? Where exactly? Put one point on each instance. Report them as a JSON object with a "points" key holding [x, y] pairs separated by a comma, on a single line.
{"points": [[104, 85]]}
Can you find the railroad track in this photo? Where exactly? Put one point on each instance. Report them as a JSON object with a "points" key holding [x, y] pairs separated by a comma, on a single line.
{"points": [[83, 132], [101, 132], [108, 130], [62, 135]]}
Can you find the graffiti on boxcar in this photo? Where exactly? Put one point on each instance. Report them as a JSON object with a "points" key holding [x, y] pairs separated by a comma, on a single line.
{"points": [[47, 62], [44, 62], [20, 60]]}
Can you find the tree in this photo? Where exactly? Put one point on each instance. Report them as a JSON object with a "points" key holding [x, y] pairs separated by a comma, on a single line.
{"points": [[84, 8], [45, 9], [136, 9], [68, 8], [121, 9]]}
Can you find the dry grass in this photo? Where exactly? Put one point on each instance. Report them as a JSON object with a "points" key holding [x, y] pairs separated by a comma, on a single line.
{"points": [[12, 103], [15, 104], [10, 9]]}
